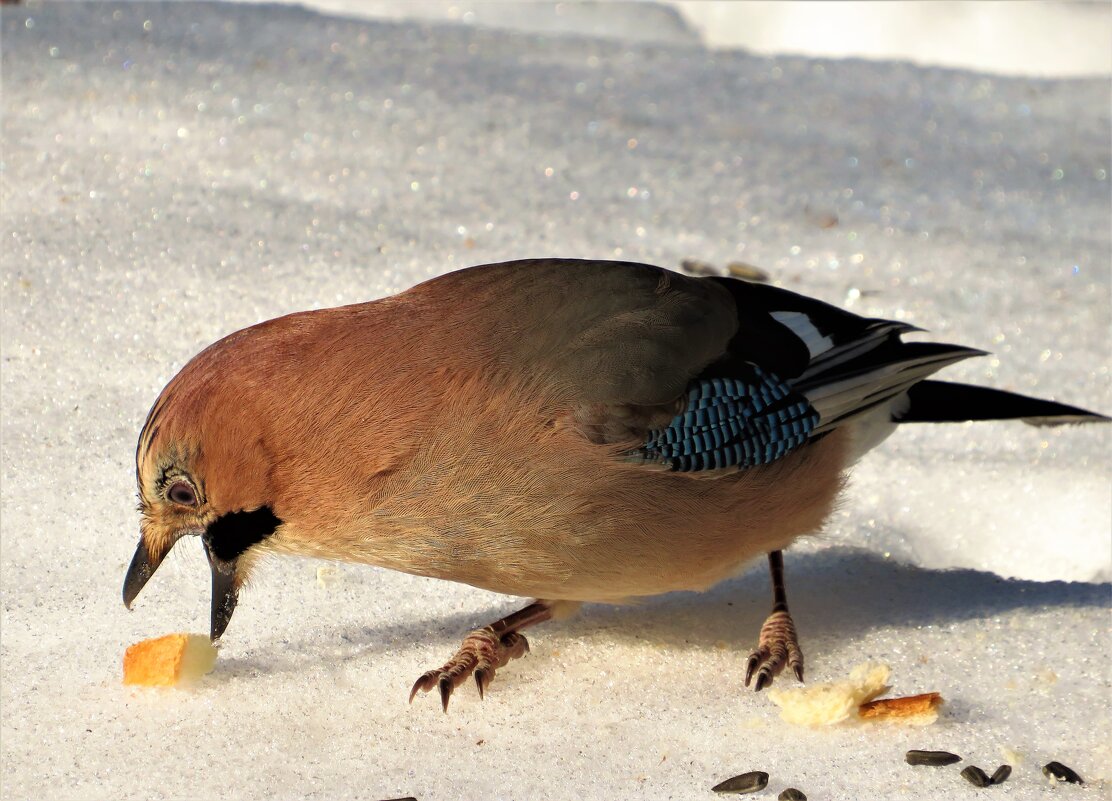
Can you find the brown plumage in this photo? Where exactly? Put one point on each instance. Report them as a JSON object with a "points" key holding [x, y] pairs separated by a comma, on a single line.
{"points": [[490, 427]]}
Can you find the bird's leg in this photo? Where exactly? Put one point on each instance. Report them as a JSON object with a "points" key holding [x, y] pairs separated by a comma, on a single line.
{"points": [[778, 645], [483, 652]]}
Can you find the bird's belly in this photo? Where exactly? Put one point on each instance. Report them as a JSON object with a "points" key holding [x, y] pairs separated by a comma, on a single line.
{"points": [[623, 532]]}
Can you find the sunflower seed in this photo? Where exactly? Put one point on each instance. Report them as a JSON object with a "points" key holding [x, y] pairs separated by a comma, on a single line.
{"points": [[931, 758], [791, 794], [739, 269], [1001, 774], [745, 783], [699, 267], [1056, 770], [976, 776]]}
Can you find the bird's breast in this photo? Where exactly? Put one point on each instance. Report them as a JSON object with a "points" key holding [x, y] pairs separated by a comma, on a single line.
{"points": [[516, 504]]}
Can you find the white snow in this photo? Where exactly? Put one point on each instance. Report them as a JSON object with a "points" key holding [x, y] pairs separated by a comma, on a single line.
{"points": [[174, 172], [1040, 38]]}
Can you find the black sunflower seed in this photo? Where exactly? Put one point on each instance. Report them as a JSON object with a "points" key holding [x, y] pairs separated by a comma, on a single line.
{"points": [[931, 758], [751, 782], [976, 776], [1056, 770]]}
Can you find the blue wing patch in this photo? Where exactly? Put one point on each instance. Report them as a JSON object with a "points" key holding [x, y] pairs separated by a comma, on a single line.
{"points": [[728, 422]]}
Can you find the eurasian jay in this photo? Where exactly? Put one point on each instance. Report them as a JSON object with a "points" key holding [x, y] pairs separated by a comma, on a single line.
{"points": [[564, 430]]}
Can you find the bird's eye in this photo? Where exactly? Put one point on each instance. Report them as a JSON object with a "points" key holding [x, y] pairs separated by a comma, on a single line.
{"points": [[181, 492]]}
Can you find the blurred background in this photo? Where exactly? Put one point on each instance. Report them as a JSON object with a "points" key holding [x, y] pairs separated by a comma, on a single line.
{"points": [[1012, 37]]}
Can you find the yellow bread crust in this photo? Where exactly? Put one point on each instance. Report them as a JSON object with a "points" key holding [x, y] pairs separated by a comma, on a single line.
{"points": [[169, 660], [855, 699], [909, 706]]}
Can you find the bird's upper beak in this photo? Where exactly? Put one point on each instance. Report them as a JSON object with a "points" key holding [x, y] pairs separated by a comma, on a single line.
{"points": [[139, 573], [225, 592]]}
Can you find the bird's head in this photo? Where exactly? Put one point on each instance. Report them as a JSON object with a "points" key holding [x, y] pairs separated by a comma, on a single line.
{"points": [[202, 470]]}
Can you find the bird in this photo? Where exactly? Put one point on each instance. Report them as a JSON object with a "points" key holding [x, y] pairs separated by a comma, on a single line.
{"points": [[564, 430]]}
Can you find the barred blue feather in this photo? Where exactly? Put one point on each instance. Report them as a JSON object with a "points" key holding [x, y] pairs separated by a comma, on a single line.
{"points": [[733, 422]]}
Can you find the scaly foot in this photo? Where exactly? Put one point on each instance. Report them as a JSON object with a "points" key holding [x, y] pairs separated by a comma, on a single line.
{"points": [[778, 646], [482, 653]]}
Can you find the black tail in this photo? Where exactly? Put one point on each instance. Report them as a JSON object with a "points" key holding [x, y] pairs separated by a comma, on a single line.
{"points": [[943, 402]]}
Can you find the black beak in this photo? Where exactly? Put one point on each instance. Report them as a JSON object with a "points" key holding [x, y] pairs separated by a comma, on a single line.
{"points": [[224, 590], [140, 572], [225, 594], [225, 540]]}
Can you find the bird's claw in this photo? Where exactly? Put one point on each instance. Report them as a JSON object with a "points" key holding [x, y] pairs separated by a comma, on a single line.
{"points": [[777, 647], [483, 651]]}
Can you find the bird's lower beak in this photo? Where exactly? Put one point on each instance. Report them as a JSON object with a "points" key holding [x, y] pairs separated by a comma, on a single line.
{"points": [[225, 589], [225, 593]]}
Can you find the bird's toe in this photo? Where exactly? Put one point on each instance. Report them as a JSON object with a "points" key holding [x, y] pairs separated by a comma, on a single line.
{"points": [[777, 648], [480, 656]]}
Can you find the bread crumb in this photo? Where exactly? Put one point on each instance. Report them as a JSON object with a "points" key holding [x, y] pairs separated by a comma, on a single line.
{"points": [[1046, 676], [168, 661], [1011, 756], [827, 704], [326, 576], [918, 710]]}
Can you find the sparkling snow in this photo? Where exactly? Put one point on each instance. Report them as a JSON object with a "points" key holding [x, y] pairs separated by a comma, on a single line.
{"points": [[174, 172]]}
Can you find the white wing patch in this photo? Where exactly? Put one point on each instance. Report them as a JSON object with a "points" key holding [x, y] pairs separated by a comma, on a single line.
{"points": [[801, 325], [872, 428]]}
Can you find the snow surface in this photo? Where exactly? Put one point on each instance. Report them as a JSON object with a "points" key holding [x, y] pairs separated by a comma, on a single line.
{"points": [[1011, 37], [174, 172]]}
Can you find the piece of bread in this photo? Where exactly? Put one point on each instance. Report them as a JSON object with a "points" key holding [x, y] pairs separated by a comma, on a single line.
{"points": [[825, 704], [924, 707], [170, 660], [853, 699]]}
